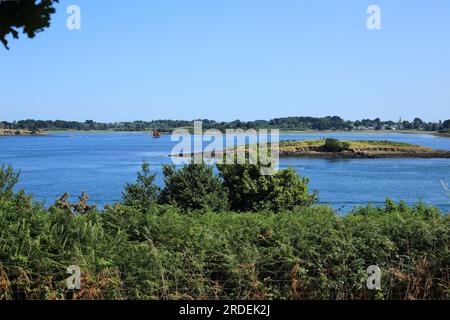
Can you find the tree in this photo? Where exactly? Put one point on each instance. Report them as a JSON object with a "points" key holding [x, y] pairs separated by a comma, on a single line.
{"points": [[248, 190], [417, 123], [8, 180], [30, 15], [193, 187], [144, 192], [334, 145]]}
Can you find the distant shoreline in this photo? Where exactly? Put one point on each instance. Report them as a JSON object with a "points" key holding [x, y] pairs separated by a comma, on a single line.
{"points": [[281, 131], [20, 133], [361, 131], [290, 124], [442, 134], [12, 133]]}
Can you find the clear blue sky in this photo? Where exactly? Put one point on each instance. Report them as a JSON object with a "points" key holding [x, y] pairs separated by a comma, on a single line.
{"points": [[229, 59]]}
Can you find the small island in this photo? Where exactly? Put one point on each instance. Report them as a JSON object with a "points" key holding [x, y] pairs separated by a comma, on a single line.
{"points": [[331, 148], [351, 149]]}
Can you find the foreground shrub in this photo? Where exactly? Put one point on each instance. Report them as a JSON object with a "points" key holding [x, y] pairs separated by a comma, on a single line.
{"points": [[248, 190], [8, 179], [162, 253], [144, 192], [193, 187]]}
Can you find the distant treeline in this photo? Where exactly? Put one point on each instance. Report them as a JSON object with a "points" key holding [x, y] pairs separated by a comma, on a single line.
{"points": [[288, 123]]}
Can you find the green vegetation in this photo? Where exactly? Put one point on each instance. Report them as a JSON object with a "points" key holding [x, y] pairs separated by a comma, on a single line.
{"points": [[193, 187], [331, 145], [353, 149], [444, 130], [242, 188], [250, 191], [334, 123], [163, 252], [8, 179], [445, 127], [334, 145], [143, 193], [380, 144]]}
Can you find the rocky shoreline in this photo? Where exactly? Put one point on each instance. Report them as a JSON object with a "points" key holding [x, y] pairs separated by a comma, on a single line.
{"points": [[443, 134], [367, 154], [16, 132]]}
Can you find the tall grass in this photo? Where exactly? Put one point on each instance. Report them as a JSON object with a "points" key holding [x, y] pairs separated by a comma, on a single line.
{"points": [[161, 253]]}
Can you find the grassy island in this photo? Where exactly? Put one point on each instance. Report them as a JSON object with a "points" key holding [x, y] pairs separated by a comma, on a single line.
{"points": [[352, 149], [332, 148]]}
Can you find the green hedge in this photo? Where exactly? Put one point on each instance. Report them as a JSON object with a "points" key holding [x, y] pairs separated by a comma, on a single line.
{"points": [[162, 253]]}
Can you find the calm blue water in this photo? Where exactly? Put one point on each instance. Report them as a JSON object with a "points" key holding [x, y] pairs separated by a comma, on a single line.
{"points": [[102, 163]]}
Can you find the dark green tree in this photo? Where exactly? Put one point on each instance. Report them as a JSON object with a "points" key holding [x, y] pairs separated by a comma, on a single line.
{"points": [[29, 15], [193, 187], [334, 145], [144, 192], [248, 190], [417, 123]]}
